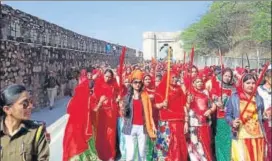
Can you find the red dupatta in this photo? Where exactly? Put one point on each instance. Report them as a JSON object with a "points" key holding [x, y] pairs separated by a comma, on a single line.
{"points": [[243, 97], [83, 76], [77, 133], [106, 118], [240, 89], [200, 101], [176, 100]]}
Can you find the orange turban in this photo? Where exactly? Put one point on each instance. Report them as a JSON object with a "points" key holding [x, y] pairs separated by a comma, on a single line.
{"points": [[136, 74]]}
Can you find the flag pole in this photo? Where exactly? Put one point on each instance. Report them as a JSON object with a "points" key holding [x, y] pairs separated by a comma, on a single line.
{"points": [[170, 50]]}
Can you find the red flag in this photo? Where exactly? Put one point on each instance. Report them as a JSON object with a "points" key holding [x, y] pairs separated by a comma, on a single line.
{"points": [[192, 57], [154, 66], [191, 66], [222, 67], [184, 57], [121, 66]]}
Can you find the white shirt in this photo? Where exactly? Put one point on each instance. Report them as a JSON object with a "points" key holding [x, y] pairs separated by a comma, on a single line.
{"points": [[266, 95]]}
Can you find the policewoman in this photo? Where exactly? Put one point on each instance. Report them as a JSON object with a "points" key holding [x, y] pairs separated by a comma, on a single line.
{"points": [[21, 139]]}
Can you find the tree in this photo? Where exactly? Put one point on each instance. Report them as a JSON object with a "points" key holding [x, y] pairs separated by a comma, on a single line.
{"points": [[227, 24]]}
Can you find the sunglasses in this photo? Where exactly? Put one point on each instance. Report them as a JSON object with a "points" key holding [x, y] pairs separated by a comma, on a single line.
{"points": [[198, 81], [137, 82], [26, 103]]}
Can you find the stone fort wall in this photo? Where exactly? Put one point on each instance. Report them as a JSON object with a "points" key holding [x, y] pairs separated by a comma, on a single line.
{"points": [[30, 47]]}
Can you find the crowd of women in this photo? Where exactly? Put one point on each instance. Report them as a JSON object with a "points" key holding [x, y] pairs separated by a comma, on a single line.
{"points": [[149, 113], [194, 114]]}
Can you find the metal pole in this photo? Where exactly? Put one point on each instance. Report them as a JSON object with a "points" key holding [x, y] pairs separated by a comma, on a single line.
{"points": [[242, 60], [258, 60], [248, 61]]}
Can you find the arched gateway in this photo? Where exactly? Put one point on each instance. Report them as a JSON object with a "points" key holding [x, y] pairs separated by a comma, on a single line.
{"points": [[154, 44]]}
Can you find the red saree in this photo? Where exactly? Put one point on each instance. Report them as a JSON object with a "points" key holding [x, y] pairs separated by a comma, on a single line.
{"points": [[171, 141], [107, 119], [77, 131], [199, 145]]}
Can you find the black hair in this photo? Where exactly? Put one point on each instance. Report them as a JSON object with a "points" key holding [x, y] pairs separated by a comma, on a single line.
{"points": [[249, 76], [193, 66], [231, 73], [129, 96], [128, 100], [9, 96], [147, 75], [75, 74], [140, 89], [268, 73], [82, 68], [109, 71], [159, 76], [90, 69], [147, 68]]}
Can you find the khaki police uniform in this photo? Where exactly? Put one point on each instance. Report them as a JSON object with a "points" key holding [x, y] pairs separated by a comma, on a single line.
{"points": [[29, 143]]}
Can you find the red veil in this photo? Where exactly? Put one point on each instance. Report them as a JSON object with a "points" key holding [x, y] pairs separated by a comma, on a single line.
{"points": [[77, 133], [83, 76], [107, 114]]}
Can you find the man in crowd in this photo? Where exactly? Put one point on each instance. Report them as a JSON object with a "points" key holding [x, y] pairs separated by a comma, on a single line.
{"points": [[51, 84]]}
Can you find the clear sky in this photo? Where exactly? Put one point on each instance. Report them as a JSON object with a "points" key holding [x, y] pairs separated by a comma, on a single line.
{"points": [[116, 22]]}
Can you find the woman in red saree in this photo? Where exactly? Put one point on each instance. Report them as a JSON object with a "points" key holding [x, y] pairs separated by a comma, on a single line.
{"points": [[106, 92], [173, 122], [199, 144], [78, 129], [187, 79]]}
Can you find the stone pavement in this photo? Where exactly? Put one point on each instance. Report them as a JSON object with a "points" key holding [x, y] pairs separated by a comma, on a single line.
{"points": [[55, 121]]}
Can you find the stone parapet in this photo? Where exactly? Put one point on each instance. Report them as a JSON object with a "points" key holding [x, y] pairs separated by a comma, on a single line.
{"points": [[30, 47], [22, 27]]}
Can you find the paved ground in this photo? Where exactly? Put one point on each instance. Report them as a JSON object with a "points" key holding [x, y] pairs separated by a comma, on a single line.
{"points": [[56, 121]]}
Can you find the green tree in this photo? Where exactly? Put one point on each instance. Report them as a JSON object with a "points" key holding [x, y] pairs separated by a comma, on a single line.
{"points": [[227, 24]]}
